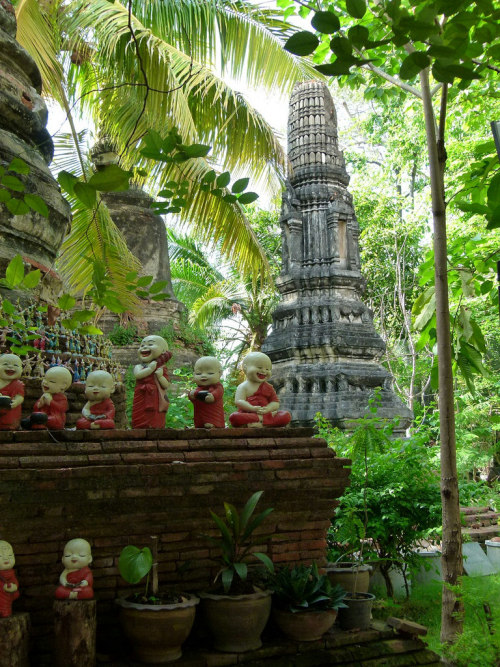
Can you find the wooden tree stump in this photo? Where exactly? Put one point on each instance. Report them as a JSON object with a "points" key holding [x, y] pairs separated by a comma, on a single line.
{"points": [[14, 640], [75, 631]]}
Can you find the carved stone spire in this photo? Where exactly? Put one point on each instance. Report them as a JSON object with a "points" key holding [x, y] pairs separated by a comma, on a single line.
{"points": [[323, 345]]}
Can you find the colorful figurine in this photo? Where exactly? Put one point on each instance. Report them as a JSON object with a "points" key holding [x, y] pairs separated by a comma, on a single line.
{"points": [[50, 409], [11, 391], [150, 401], [8, 582], [207, 397], [99, 411], [257, 402], [76, 579]]}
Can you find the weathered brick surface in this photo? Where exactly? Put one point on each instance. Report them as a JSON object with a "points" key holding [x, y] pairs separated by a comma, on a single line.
{"points": [[120, 487]]}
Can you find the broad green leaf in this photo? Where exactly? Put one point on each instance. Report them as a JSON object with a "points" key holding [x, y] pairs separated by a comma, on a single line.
{"points": [[226, 535], [37, 204], [82, 315], [256, 522], [86, 194], [66, 302], [12, 182], [17, 206], [230, 199], [14, 273], [111, 178], [247, 197], [196, 150], [325, 22], [358, 35], [240, 185], [158, 286], [32, 279], [19, 166], [135, 563], [209, 177], [494, 219], [494, 192], [413, 64], [479, 209], [4, 195], [166, 193], [131, 276], [8, 307], [144, 281], [341, 46], [241, 570], [266, 560], [227, 579], [249, 508], [90, 329], [337, 68], [356, 8], [301, 43], [223, 179], [426, 312], [67, 182]]}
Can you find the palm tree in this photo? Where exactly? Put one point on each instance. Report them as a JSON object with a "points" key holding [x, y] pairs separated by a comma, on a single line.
{"points": [[218, 297], [157, 65]]}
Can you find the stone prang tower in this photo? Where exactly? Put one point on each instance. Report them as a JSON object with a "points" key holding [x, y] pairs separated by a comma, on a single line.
{"points": [[323, 345]]}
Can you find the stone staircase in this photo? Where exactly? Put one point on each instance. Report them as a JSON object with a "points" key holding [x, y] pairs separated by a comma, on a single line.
{"points": [[481, 523]]}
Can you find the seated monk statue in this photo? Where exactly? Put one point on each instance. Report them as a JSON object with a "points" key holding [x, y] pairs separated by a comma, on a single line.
{"points": [[9, 586], [76, 579], [11, 392], [207, 398], [49, 412], [257, 402], [99, 410]]}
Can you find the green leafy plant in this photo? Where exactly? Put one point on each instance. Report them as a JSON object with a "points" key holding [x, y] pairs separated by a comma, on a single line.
{"points": [[123, 335], [236, 531], [13, 191], [302, 588]]}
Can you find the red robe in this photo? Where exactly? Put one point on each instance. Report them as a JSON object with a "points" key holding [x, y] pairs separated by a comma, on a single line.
{"points": [[6, 598], [10, 418], [56, 412], [150, 403], [209, 413], [73, 579], [102, 413], [264, 395]]}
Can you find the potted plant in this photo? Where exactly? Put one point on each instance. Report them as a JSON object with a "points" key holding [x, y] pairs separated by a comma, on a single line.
{"points": [[305, 603], [237, 610], [156, 624]]}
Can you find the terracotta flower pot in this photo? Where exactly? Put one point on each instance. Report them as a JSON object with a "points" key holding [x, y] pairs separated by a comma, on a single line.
{"points": [[350, 575], [157, 632], [304, 626], [237, 621]]}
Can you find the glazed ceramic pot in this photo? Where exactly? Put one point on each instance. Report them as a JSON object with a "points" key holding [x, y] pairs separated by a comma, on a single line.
{"points": [[157, 632], [237, 621]]}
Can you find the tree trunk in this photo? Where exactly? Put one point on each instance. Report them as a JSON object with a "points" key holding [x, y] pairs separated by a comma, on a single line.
{"points": [[451, 618], [14, 640], [74, 633]]}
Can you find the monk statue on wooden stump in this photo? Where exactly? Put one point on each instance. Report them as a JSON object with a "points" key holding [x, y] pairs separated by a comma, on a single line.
{"points": [[9, 586], [49, 412], [76, 579], [207, 397], [99, 410], [257, 402], [151, 381], [11, 392]]}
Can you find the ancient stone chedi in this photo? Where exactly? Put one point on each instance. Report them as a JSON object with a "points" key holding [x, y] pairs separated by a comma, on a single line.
{"points": [[23, 116], [323, 345]]}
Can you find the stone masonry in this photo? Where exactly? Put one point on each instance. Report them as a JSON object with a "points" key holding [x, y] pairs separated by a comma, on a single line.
{"points": [[323, 345]]}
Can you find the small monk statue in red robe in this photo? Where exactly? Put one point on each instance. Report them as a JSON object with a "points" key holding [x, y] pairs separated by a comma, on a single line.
{"points": [[257, 402], [76, 579], [99, 410], [9, 586], [207, 397], [49, 412], [151, 380], [11, 392]]}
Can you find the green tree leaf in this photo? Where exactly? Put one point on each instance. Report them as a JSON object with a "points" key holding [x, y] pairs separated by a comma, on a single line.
{"points": [[223, 179], [247, 197], [31, 279], [135, 563], [111, 178], [37, 204], [325, 22], [413, 64], [240, 185], [86, 194], [302, 43], [356, 8], [17, 206], [196, 150], [14, 273], [66, 302], [67, 182], [12, 182], [19, 166]]}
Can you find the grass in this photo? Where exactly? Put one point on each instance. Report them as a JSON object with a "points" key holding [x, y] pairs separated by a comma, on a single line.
{"points": [[479, 646]]}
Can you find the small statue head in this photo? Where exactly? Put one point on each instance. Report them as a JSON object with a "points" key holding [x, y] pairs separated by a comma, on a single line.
{"points": [[7, 559], [77, 554], [57, 379], [152, 347], [257, 367], [207, 371], [11, 367], [99, 385]]}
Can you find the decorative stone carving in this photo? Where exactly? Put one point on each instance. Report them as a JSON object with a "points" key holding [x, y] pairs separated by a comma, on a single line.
{"points": [[23, 116], [323, 345]]}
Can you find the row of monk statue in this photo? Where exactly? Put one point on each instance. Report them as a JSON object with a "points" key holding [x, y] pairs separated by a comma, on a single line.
{"points": [[75, 582], [256, 399]]}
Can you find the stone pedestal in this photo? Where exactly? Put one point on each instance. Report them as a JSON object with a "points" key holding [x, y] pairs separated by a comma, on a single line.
{"points": [[323, 345]]}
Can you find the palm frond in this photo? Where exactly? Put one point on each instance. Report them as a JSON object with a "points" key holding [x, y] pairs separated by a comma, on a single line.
{"points": [[215, 304], [65, 155]]}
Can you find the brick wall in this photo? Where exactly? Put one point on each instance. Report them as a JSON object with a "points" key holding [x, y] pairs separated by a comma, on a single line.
{"points": [[120, 487]]}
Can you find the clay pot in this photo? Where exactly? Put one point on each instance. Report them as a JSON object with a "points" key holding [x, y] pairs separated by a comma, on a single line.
{"points": [[157, 632], [358, 612], [304, 626], [350, 575], [237, 621]]}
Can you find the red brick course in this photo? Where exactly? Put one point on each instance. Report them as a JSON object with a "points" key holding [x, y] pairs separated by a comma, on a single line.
{"points": [[120, 487]]}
